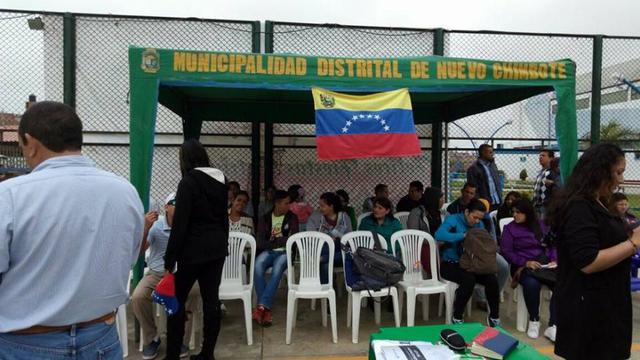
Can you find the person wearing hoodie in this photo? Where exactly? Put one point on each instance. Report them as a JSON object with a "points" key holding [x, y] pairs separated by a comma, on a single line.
{"points": [[427, 217], [333, 221], [198, 245], [274, 230], [452, 233]]}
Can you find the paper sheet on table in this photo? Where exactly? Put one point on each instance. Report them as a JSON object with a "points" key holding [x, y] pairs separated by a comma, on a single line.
{"points": [[411, 350]]}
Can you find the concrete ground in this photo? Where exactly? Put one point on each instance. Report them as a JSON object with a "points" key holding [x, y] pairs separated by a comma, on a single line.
{"points": [[311, 340]]}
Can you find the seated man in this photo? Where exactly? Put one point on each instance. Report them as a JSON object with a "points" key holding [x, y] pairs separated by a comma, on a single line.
{"points": [[412, 199], [273, 232], [156, 236], [381, 190], [467, 193], [452, 233]]}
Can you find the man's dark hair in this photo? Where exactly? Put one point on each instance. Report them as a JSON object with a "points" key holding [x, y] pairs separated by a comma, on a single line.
{"points": [[482, 147], [469, 184], [294, 193], [55, 125], [343, 194], [549, 153], [192, 155], [416, 185], [280, 195], [379, 188], [476, 205]]}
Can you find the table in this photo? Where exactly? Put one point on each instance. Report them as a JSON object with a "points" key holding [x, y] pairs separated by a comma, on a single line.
{"points": [[431, 333]]}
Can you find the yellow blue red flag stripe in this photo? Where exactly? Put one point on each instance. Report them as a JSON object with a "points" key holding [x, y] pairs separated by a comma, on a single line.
{"points": [[364, 126]]}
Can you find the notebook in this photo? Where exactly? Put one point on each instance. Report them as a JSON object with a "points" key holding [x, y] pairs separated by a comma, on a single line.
{"points": [[493, 344]]}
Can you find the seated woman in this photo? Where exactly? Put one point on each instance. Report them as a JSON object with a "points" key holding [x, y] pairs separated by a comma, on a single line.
{"points": [[299, 206], [273, 232], [620, 206], [452, 233], [334, 222], [427, 218], [504, 210], [239, 221], [381, 221], [522, 246]]}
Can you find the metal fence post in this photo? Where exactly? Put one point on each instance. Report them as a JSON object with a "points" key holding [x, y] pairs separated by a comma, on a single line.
{"points": [[69, 59], [268, 127], [255, 135], [596, 85], [436, 128]]}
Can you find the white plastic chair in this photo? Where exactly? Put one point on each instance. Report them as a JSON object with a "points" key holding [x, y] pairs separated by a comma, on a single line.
{"points": [[402, 216], [522, 314], [232, 285], [504, 222], [410, 242], [365, 239], [309, 247], [121, 321], [362, 216]]}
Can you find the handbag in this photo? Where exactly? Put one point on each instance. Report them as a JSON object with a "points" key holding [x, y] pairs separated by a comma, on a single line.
{"points": [[544, 275]]}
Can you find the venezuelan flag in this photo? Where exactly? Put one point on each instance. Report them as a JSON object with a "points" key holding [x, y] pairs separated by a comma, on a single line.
{"points": [[375, 125]]}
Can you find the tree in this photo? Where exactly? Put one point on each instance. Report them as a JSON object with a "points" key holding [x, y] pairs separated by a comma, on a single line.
{"points": [[616, 133], [523, 175]]}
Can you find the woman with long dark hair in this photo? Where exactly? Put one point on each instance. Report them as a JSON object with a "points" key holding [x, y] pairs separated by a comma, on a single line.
{"points": [[333, 221], [594, 248], [198, 245], [523, 248]]}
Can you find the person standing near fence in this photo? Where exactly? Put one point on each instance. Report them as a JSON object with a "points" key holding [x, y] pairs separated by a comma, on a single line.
{"points": [[198, 244], [543, 187], [484, 174], [594, 313], [69, 235]]}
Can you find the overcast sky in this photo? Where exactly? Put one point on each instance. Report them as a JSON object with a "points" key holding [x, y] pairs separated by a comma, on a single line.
{"points": [[611, 17]]}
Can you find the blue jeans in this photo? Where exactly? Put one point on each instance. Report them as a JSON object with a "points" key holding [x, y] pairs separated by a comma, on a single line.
{"points": [[99, 341], [531, 289], [266, 291]]}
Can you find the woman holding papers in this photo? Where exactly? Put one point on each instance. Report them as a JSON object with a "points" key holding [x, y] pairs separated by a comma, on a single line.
{"points": [[594, 249]]}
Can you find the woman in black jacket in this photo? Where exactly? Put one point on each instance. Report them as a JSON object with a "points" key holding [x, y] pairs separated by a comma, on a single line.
{"points": [[198, 245], [594, 317]]}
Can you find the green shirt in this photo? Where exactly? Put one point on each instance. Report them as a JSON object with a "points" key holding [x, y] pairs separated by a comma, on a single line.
{"points": [[388, 227], [276, 228]]}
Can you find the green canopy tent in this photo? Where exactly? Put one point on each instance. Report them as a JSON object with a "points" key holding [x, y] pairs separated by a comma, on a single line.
{"points": [[276, 88]]}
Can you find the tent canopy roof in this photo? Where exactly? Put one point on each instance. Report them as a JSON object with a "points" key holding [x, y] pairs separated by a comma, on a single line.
{"points": [[223, 86]]}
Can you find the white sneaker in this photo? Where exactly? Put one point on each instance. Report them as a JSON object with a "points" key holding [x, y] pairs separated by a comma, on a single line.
{"points": [[550, 333], [533, 331]]}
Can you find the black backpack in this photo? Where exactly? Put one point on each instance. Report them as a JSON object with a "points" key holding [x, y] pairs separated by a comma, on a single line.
{"points": [[375, 268]]}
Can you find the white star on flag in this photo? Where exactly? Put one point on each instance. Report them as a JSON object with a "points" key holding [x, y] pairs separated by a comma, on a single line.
{"points": [[386, 128], [344, 129], [361, 116], [377, 117], [383, 121], [369, 116], [348, 123], [354, 118]]}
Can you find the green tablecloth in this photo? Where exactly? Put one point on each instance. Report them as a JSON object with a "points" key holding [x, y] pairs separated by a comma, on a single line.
{"points": [[431, 333]]}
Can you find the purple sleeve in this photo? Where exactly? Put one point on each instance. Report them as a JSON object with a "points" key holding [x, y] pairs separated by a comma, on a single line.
{"points": [[553, 254], [507, 249]]}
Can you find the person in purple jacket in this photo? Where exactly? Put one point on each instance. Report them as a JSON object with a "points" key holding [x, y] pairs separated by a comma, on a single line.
{"points": [[522, 246]]}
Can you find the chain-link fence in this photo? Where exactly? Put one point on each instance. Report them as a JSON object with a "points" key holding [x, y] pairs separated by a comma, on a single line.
{"points": [[32, 63]]}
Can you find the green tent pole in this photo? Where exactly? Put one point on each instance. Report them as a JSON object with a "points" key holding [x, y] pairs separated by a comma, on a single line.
{"points": [[596, 85]]}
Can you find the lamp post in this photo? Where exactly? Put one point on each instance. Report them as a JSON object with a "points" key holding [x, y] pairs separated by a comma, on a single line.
{"points": [[466, 133], [498, 129]]}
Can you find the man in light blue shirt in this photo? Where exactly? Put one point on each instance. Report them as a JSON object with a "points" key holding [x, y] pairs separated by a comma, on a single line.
{"points": [[156, 237], [69, 234]]}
